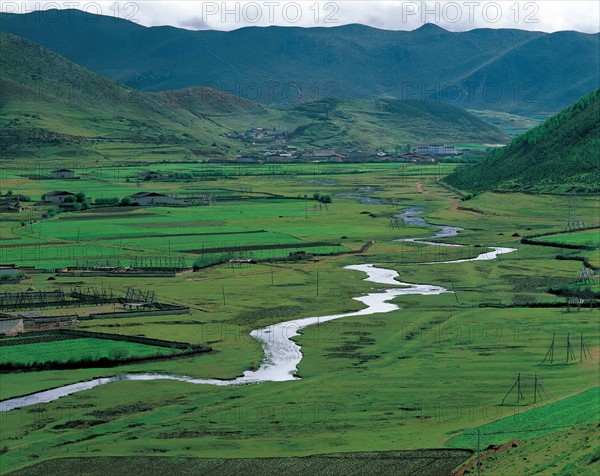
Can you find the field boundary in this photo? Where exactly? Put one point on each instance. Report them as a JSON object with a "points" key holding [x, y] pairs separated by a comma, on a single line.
{"points": [[129, 338], [186, 349], [530, 240], [279, 246]]}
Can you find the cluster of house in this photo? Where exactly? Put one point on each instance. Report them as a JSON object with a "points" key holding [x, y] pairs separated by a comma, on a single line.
{"points": [[282, 151], [59, 197], [10, 205], [151, 175], [290, 153], [258, 134]]}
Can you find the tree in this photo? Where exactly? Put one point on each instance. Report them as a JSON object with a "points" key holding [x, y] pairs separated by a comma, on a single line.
{"points": [[80, 197], [125, 201]]}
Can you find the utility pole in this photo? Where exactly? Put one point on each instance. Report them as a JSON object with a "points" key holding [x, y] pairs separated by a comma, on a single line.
{"points": [[454, 291], [317, 282], [478, 452]]}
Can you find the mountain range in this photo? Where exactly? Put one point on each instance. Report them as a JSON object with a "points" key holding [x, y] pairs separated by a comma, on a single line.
{"points": [[510, 70], [44, 97]]}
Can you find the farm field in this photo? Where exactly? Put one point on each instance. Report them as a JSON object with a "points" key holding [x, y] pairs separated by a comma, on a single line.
{"points": [[75, 350], [119, 233], [360, 375]]}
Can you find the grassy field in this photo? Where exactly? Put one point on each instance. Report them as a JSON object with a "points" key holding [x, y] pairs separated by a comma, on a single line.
{"points": [[362, 375], [76, 349], [563, 452], [528, 423], [581, 238], [119, 233]]}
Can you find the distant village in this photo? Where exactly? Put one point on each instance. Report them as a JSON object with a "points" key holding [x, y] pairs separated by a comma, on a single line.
{"points": [[278, 150], [429, 154]]}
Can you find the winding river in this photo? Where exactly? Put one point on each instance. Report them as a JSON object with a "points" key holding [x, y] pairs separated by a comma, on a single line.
{"points": [[282, 354]]}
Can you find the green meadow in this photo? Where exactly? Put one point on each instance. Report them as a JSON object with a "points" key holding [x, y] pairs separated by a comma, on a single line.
{"points": [[578, 409], [422, 376], [581, 238]]}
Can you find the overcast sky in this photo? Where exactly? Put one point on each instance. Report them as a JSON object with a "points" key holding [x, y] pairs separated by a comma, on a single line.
{"points": [[393, 15]]}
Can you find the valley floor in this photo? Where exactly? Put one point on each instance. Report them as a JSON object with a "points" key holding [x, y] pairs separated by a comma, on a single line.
{"points": [[419, 377]]}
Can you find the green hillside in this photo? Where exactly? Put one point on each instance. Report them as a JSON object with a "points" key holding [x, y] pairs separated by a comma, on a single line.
{"points": [[561, 155], [501, 69], [386, 122], [48, 100], [45, 96]]}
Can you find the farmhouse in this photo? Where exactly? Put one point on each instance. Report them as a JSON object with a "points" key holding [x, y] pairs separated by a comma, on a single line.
{"points": [[152, 198], [360, 155], [329, 155], [434, 149], [150, 175], [10, 207], [9, 270], [62, 174], [57, 196], [11, 326]]}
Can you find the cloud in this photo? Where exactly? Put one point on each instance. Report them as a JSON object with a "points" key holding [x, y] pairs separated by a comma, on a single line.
{"points": [[545, 15]]}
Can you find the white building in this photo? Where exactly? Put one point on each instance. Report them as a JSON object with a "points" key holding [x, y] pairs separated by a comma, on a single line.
{"points": [[434, 149], [57, 196], [11, 326]]}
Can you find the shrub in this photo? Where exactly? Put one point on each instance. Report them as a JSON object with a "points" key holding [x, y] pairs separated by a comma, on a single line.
{"points": [[109, 201]]}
